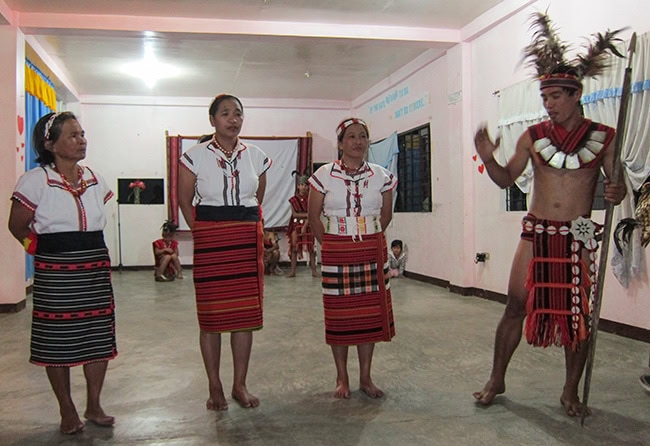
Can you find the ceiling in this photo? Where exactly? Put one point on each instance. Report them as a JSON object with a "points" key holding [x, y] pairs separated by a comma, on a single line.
{"points": [[294, 49]]}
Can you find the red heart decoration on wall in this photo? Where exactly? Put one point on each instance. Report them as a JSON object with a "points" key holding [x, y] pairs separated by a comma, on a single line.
{"points": [[17, 149], [481, 168], [22, 158], [474, 157], [21, 124], [22, 145]]}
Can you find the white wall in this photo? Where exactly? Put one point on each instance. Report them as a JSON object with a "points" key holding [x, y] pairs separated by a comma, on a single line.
{"points": [[128, 141]]}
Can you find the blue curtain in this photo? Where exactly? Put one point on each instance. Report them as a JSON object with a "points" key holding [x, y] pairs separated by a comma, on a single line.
{"points": [[385, 154], [35, 108]]}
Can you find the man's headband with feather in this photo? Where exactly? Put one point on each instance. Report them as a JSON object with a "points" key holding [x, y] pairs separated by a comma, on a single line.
{"points": [[546, 54]]}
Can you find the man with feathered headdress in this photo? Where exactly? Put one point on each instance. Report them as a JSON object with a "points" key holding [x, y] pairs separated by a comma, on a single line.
{"points": [[553, 270]]}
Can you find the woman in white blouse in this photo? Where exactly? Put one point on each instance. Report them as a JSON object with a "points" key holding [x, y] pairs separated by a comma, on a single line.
{"points": [[220, 192], [355, 198], [58, 215]]}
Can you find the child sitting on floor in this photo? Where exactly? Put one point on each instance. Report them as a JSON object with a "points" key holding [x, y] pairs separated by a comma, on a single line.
{"points": [[396, 259], [165, 251], [271, 254]]}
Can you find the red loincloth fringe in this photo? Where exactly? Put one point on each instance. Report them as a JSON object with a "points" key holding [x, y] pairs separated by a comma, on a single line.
{"points": [[559, 290]]}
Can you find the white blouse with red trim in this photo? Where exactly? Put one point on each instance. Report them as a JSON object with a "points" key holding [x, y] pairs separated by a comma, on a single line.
{"points": [[226, 182], [55, 208]]}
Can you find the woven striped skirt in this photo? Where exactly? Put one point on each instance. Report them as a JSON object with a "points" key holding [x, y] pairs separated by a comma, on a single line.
{"points": [[356, 290], [73, 320], [228, 275]]}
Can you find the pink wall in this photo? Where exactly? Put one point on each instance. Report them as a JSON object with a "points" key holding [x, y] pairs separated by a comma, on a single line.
{"points": [[495, 65], [398, 107], [12, 263]]}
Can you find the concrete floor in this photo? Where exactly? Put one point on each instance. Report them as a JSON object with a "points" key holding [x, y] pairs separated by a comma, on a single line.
{"points": [[157, 387]]}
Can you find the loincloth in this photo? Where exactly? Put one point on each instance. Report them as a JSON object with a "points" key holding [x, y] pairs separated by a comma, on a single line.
{"points": [[560, 281]]}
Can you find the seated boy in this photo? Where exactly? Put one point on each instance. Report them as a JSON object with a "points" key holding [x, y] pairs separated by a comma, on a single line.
{"points": [[271, 254], [396, 259]]}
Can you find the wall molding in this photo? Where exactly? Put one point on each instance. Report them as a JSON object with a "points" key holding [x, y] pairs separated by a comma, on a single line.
{"points": [[607, 326], [13, 308]]}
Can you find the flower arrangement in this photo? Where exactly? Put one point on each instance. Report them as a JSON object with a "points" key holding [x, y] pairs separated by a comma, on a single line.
{"points": [[137, 187]]}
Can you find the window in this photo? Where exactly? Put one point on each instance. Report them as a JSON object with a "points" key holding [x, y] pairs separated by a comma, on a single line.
{"points": [[414, 171], [515, 199], [599, 195]]}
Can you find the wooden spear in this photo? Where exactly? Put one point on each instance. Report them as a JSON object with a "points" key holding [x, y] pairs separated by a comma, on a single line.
{"points": [[609, 214]]}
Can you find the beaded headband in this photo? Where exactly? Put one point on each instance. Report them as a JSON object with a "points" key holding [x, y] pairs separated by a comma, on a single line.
{"points": [[559, 80], [347, 123], [48, 125]]}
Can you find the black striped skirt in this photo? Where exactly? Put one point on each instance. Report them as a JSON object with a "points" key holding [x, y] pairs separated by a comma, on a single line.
{"points": [[73, 320]]}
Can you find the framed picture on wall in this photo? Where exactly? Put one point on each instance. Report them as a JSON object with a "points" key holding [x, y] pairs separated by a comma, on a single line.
{"points": [[140, 191]]}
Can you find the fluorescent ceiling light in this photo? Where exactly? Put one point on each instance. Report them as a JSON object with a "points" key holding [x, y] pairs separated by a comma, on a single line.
{"points": [[150, 69]]}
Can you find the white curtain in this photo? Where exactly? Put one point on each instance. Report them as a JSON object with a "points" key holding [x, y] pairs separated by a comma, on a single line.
{"points": [[520, 106], [280, 185]]}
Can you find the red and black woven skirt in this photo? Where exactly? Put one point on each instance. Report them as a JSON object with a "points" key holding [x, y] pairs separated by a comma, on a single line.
{"points": [[228, 275], [356, 290]]}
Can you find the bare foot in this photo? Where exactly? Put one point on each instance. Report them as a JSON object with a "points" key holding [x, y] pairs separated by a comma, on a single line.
{"points": [[99, 418], [179, 276], [71, 424], [342, 390], [371, 390], [572, 406], [491, 390], [245, 399], [315, 274], [217, 400]]}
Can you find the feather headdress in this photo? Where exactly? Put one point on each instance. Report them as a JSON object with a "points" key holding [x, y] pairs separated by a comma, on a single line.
{"points": [[546, 54], [626, 226]]}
